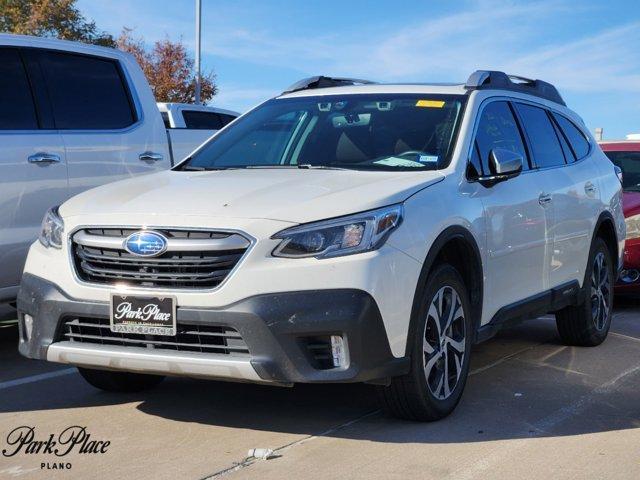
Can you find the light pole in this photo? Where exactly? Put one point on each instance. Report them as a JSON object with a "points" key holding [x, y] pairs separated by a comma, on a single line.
{"points": [[198, 34]]}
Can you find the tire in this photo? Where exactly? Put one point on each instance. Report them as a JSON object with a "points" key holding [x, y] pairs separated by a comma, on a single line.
{"points": [[423, 394], [119, 381], [587, 324]]}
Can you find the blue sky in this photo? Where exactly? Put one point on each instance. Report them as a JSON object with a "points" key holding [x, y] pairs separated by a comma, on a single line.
{"points": [[589, 49]]}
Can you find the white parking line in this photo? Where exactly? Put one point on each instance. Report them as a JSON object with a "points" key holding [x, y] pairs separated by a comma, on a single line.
{"points": [[616, 334], [36, 378], [249, 461], [503, 359], [542, 427]]}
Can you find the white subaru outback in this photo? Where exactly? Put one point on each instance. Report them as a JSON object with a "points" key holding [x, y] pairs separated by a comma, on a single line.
{"points": [[342, 232]]}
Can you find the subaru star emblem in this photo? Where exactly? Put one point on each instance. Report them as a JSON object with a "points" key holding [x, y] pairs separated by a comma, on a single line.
{"points": [[145, 244]]}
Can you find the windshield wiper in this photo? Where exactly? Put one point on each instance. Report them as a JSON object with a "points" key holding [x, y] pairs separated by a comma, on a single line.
{"points": [[192, 168], [308, 166], [257, 167], [189, 168], [304, 166]]}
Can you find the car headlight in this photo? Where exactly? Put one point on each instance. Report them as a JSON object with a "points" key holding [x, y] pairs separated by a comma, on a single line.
{"points": [[51, 233], [340, 236]]}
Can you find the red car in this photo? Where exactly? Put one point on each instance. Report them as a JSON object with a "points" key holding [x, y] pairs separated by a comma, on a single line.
{"points": [[626, 155]]}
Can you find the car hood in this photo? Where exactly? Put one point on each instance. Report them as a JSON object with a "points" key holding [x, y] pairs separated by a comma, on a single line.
{"points": [[631, 203], [291, 195]]}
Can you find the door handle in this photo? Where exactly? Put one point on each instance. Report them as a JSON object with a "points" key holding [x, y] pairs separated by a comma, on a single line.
{"points": [[150, 157], [43, 158], [544, 199], [589, 188]]}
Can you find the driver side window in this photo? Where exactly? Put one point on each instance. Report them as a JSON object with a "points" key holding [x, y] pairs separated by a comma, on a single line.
{"points": [[497, 129]]}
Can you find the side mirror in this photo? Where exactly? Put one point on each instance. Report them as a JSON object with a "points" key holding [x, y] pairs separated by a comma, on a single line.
{"points": [[504, 164]]}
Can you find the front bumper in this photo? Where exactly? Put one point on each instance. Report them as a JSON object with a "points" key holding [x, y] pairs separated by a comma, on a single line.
{"points": [[274, 327], [629, 278]]}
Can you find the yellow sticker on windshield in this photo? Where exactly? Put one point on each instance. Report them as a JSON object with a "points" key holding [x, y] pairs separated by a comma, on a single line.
{"points": [[430, 103]]}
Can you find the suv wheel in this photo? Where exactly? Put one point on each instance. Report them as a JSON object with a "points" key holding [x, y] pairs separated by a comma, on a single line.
{"points": [[440, 353], [119, 381], [587, 324]]}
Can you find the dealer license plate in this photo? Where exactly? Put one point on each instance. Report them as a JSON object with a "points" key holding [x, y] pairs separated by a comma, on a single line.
{"points": [[143, 315]]}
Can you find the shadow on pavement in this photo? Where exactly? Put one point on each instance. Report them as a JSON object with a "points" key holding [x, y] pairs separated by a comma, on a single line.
{"points": [[8, 326], [542, 389]]}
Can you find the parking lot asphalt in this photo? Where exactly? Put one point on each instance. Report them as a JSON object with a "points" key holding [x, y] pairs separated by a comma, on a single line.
{"points": [[532, 408]]}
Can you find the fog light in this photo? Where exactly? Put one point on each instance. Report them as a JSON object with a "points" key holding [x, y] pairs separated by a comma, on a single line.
{"points": [[28, 326], [337, 351]]}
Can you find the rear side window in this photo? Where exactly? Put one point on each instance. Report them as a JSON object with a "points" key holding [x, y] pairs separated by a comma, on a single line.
{"points": [[545, 145], [226, 119], [566, 149], [87, 93], [17, 110], [578, 142], [202, 120], [498, 129], [629, 162], [165, 119]]}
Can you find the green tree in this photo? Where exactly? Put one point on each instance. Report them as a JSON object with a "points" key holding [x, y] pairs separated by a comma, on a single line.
{"points": [[51, 18], [168, 68]]}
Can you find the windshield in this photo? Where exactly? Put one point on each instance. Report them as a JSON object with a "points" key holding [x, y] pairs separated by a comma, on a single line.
{"points": [[629, 163], [372, 132]]}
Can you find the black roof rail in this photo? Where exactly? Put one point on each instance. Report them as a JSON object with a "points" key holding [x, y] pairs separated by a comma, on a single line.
{"points": [[321, 81], [491, 79]]}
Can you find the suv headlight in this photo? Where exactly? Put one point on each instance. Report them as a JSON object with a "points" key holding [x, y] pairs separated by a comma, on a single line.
{"points": [[633, 226], [51, 233], [340, 236]]}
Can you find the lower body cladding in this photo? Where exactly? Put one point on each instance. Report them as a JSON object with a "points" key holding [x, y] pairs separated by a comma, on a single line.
{"points": [[283, 338]]}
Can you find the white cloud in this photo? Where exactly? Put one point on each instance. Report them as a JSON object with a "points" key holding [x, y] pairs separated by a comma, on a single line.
{"points": [[526, 38], [428, 45], [606, 61], [492, 34]]}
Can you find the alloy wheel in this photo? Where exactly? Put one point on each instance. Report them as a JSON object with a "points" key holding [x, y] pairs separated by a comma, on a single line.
{"points": [[444, 346], [600, 291]]}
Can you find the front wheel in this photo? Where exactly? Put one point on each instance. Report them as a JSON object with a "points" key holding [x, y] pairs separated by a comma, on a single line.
{"points": [[587, 324], [440, 353]]}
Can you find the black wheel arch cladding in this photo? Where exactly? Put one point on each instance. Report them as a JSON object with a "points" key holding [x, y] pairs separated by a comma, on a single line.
{"points": [[605, 229], [452, 239]]}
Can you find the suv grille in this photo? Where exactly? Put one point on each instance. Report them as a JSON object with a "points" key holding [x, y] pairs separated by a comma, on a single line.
{"points": [[190, 338], [194, 259]]}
